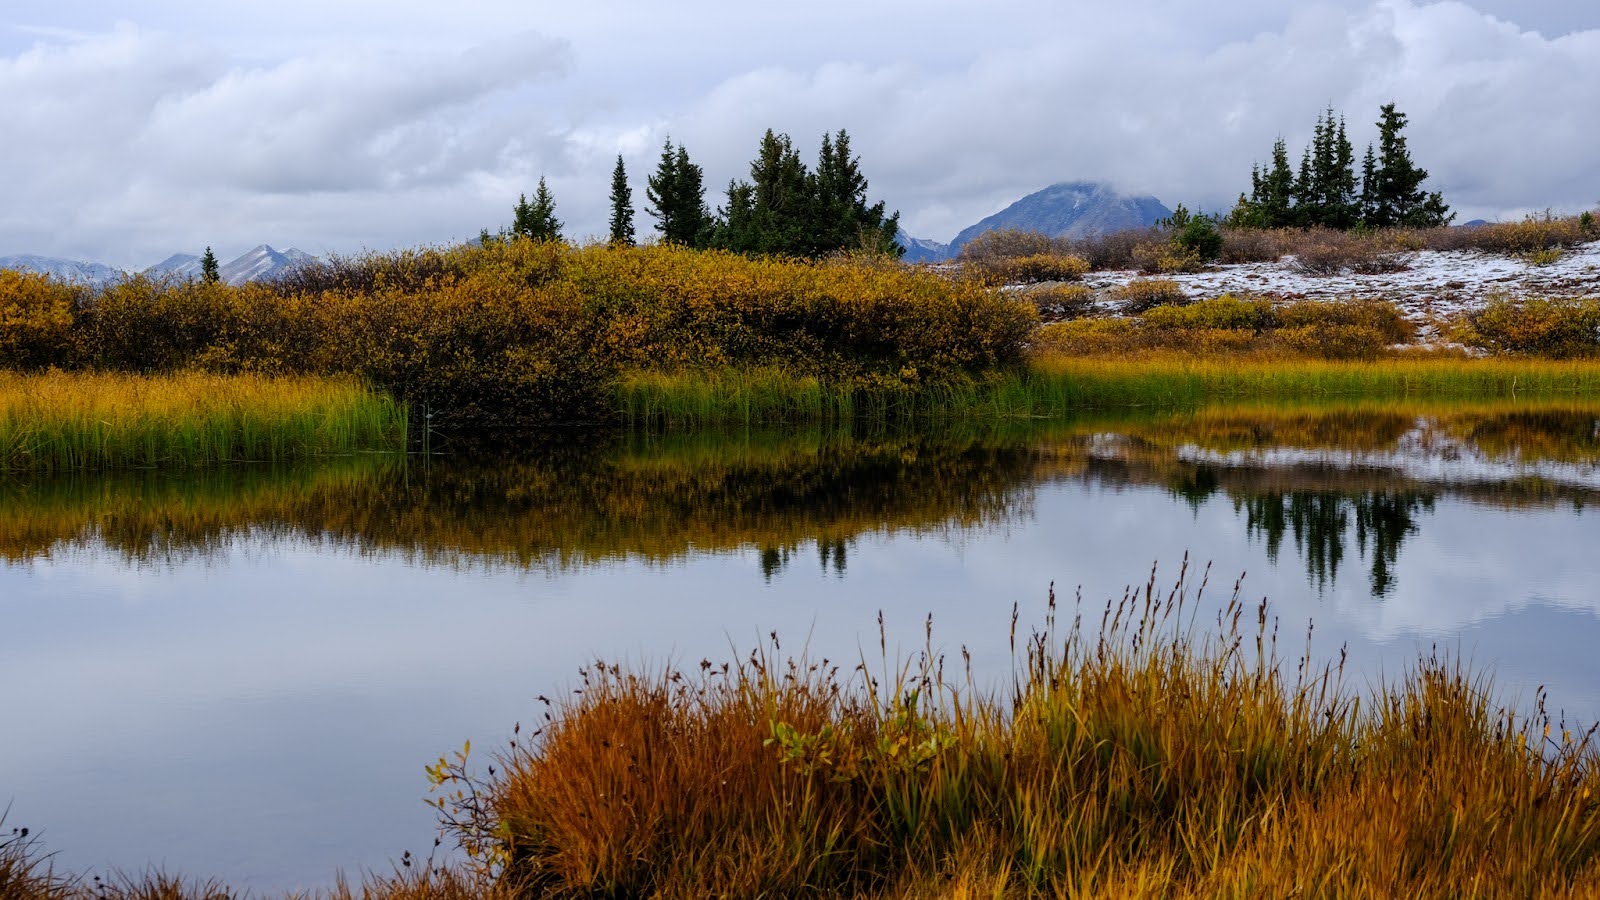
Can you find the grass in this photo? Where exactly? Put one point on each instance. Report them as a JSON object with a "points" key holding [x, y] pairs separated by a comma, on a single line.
{"points": [[1139, 750], [1055, 384], [64, 421]]}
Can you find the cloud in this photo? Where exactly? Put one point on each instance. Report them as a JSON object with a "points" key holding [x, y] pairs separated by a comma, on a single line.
{"points": [[142, 141], [1499, 116], [135, 133]]}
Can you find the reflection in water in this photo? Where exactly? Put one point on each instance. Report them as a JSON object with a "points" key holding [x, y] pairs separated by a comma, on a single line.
{"points": [[307, 635], [1320, 523], [1322, 477]]}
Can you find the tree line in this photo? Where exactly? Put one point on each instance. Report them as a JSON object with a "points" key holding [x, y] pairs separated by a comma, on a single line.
{"points": [[1326, 192], [784, 209]]}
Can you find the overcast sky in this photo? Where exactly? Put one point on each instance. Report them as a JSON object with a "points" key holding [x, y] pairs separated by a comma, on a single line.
{"points": [[138, 129]]}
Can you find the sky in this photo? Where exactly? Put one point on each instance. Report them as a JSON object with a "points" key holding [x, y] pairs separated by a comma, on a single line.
{"points": [[137, 129]]}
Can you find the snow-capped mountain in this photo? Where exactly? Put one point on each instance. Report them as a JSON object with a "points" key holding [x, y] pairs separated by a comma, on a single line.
{"points": [[178, 265], [261, 264], [922, 249], [71, 270]]}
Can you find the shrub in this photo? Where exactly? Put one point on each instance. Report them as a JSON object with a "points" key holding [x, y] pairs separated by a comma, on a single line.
{"points": [[1062, 301], [531, 331], [1088, 336], [36, 317], [1322, 251], [1333, 341], [1147, 293], [1166, 259], [1227, 313], [1546, 327], [1380, 317], [1119, 249], [1035, 269], [1249, 245], [1546, 257], [1009, 243], [1538, 232]]}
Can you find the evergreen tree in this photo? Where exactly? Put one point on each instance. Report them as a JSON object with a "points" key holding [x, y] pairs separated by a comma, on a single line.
{"points": [[788, 210], [1398, 197], [537, 220], [841, 217], [676, 193], [210, 272], [621, 207], [1369, 189]]}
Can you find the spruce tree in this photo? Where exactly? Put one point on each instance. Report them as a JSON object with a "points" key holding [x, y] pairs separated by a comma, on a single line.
{"points": [[622, 234], [1398, 197], [841, 217], [210, 272], [676, 194], [537, 220]]}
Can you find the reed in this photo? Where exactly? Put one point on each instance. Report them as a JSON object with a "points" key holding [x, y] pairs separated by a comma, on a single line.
{"points": [[1134, 753], [64, 421]]}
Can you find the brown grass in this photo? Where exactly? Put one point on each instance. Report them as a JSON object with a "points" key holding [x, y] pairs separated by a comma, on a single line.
{"points": [[1141, 756]]}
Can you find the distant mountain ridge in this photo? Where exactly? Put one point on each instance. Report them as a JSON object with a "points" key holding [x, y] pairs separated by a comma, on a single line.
{"points": [[261, 263], [1071, 209]]}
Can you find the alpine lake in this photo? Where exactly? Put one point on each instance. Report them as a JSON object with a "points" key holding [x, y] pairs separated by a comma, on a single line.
{"points": [[241, 671]]}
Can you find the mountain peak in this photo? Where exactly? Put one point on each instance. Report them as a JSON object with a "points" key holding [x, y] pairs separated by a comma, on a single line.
{"points": [[1072, 209]]}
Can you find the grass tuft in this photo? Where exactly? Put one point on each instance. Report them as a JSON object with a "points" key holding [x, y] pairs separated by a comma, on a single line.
{"points": [[64, 421]]}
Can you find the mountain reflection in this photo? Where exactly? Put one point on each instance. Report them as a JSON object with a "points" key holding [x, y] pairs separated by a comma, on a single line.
{"points": [[1340, 484]]}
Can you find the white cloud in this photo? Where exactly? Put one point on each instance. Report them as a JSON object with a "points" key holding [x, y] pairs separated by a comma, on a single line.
{"points": [[423, 125]]}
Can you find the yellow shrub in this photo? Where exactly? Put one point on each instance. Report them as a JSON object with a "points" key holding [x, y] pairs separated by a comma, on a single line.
{"points": [[1546, 327], [1377, 315], [1226, 312], [1147, 293], [36, 317]]}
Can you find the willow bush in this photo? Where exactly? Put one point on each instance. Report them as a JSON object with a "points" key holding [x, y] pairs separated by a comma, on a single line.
{"points": [[528, 331]]}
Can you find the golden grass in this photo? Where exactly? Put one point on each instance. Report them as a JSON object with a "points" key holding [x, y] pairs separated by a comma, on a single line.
{"points": [[60, 421], [1137, 753]]}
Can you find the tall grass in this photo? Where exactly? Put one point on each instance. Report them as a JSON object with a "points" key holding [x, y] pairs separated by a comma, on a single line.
{"points": [[1140, 750], [1054, 385], [60, 421]]}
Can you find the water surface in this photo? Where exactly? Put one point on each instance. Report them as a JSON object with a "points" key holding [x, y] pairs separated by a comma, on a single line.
{"points": [[241, 672]]}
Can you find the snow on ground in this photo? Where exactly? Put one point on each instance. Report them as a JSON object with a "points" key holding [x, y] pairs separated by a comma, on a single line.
{"points": [[1435, 286]]}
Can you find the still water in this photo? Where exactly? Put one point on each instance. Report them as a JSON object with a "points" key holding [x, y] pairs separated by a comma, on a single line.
{"points": [[241, 672]]}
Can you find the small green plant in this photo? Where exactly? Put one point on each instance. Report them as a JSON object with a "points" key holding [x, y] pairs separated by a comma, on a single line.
{"points": [[1544, 257]]}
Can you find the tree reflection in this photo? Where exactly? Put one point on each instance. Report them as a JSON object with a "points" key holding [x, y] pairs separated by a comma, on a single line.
{"points": [[1320, 523]]}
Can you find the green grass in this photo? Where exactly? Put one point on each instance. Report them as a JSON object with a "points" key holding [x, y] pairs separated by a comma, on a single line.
{"points": [[1053, 386], [68, 421]]}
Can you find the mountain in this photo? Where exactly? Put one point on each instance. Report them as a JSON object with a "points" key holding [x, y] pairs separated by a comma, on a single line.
{"points": [[1071, 209], [922, 249], [179, 266], [70, 270], [262, 264]]}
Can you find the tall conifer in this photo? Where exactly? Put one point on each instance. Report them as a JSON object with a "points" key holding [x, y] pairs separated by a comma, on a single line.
{"points": [[622, 234]]}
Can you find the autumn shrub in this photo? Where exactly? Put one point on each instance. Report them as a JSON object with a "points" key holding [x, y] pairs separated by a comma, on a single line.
{"points": [[1032, 269], [1558, 327], [36, 320], [531, 331], [1146, 293], [1088, 337], [1252, 245], [1378, 316], [1166, 259], [1061, 301], [1226, 312], [1119, 250], [1534, 233], [1323, 251], [1010, 243]]}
